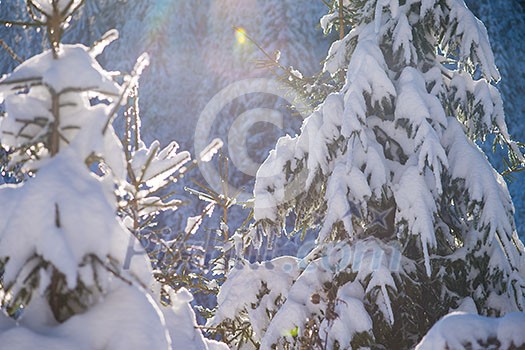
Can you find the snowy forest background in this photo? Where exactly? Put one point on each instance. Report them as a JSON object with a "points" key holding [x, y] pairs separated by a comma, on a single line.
{"points": [[195, 54], [196, 49]]}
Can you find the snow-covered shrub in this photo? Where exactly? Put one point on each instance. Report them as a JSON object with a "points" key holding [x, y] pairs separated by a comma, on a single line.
{"points": [[412, 219], [63, 248], [148, 190]]}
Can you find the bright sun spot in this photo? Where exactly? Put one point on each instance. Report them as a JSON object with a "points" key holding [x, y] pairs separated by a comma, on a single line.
{"points": [[240, 35]]}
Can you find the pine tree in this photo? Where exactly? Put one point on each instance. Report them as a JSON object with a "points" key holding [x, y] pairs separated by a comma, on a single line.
{"points": [[67, 276], [412, 221]]}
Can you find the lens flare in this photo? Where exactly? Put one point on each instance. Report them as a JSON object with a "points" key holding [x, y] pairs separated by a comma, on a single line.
{"points": [[240, 35]]}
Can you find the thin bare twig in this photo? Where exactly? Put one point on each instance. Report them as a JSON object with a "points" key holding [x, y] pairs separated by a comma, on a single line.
{"points": [[341, 21], [10, 51], [21, 23]]}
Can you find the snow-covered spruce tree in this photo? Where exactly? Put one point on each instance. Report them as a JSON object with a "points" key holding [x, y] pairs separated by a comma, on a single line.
{"points": [[62, 246], [412, 220]]}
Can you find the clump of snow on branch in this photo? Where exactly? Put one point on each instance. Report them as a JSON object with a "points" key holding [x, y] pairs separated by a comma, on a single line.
{"points": [[458, 330]]}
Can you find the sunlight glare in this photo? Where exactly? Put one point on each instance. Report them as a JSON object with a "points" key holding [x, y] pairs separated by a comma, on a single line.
{"points": [[240, 35]]}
